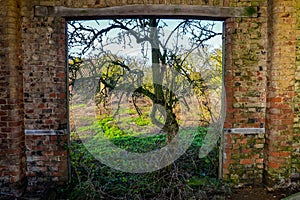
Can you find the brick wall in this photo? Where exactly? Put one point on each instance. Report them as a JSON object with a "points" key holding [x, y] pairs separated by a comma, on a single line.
{"points": [[45, 96], [99, 3], [295, 170], [245, 82], [46, 159], [44, 55], [12, 154], [281, 81], [261, 138]]}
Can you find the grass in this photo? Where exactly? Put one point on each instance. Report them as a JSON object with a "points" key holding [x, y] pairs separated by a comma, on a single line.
{"points": [[186, 178], [76, 106], [189, 177]]}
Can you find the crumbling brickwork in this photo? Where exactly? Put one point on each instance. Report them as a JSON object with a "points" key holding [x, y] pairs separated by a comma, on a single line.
{"points": [[245, 82], [45, 96], [295, 170], [12, 143], [261, 70], [46, 160], [280, 92]]}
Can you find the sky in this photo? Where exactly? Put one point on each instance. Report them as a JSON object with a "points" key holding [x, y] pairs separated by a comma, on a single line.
{"points": [[135, 48]]}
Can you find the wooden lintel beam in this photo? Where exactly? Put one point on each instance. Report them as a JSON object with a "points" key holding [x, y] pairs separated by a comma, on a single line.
{"points": [[148, 10]]}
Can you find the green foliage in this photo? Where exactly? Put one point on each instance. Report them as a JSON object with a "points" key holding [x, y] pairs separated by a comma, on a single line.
{"points": [[104, 71], [142, 121], [74, 65], [140, 145], [250, 10], [199, 137], [184, 179], [109, 127]]}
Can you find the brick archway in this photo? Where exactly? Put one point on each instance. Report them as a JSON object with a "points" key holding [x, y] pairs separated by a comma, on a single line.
{"points": [[261, 136]]}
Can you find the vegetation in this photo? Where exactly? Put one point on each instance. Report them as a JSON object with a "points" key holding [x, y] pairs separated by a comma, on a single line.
{"points": [[165, 76], [187, 178], [141, 104]]}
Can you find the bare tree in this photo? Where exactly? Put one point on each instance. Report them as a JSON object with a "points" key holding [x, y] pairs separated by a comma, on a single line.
{"points": [[169, 67]]}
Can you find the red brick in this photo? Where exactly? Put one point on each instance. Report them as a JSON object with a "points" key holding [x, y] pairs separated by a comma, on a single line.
{"points": [[275, 99], [273, 165], [246, 161]]}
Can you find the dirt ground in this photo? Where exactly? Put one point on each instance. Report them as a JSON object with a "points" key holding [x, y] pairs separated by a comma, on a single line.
{"points": [[247, 193], [257, 193]]}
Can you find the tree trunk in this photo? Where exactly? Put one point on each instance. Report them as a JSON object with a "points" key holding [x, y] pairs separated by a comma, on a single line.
{"points": [[171, 126], [157, 73]]}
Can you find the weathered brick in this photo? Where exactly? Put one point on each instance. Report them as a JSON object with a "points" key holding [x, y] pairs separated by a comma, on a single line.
{"points": [[12, 151], [261, 79]]}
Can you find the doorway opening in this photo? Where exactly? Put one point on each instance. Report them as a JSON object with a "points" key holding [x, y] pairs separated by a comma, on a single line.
{"points": [[146, 106]]}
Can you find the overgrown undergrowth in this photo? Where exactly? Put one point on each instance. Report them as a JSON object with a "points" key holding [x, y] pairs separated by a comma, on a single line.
{"points": [[189, 177]]}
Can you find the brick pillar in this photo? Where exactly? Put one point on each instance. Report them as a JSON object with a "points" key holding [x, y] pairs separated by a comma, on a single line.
{"points": [[45, 97], [12, 147], [295, 171], [280, 105], [245, 85]]}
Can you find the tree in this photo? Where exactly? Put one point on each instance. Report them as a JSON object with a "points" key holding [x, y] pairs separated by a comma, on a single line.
{"points": [[169, 60]]}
